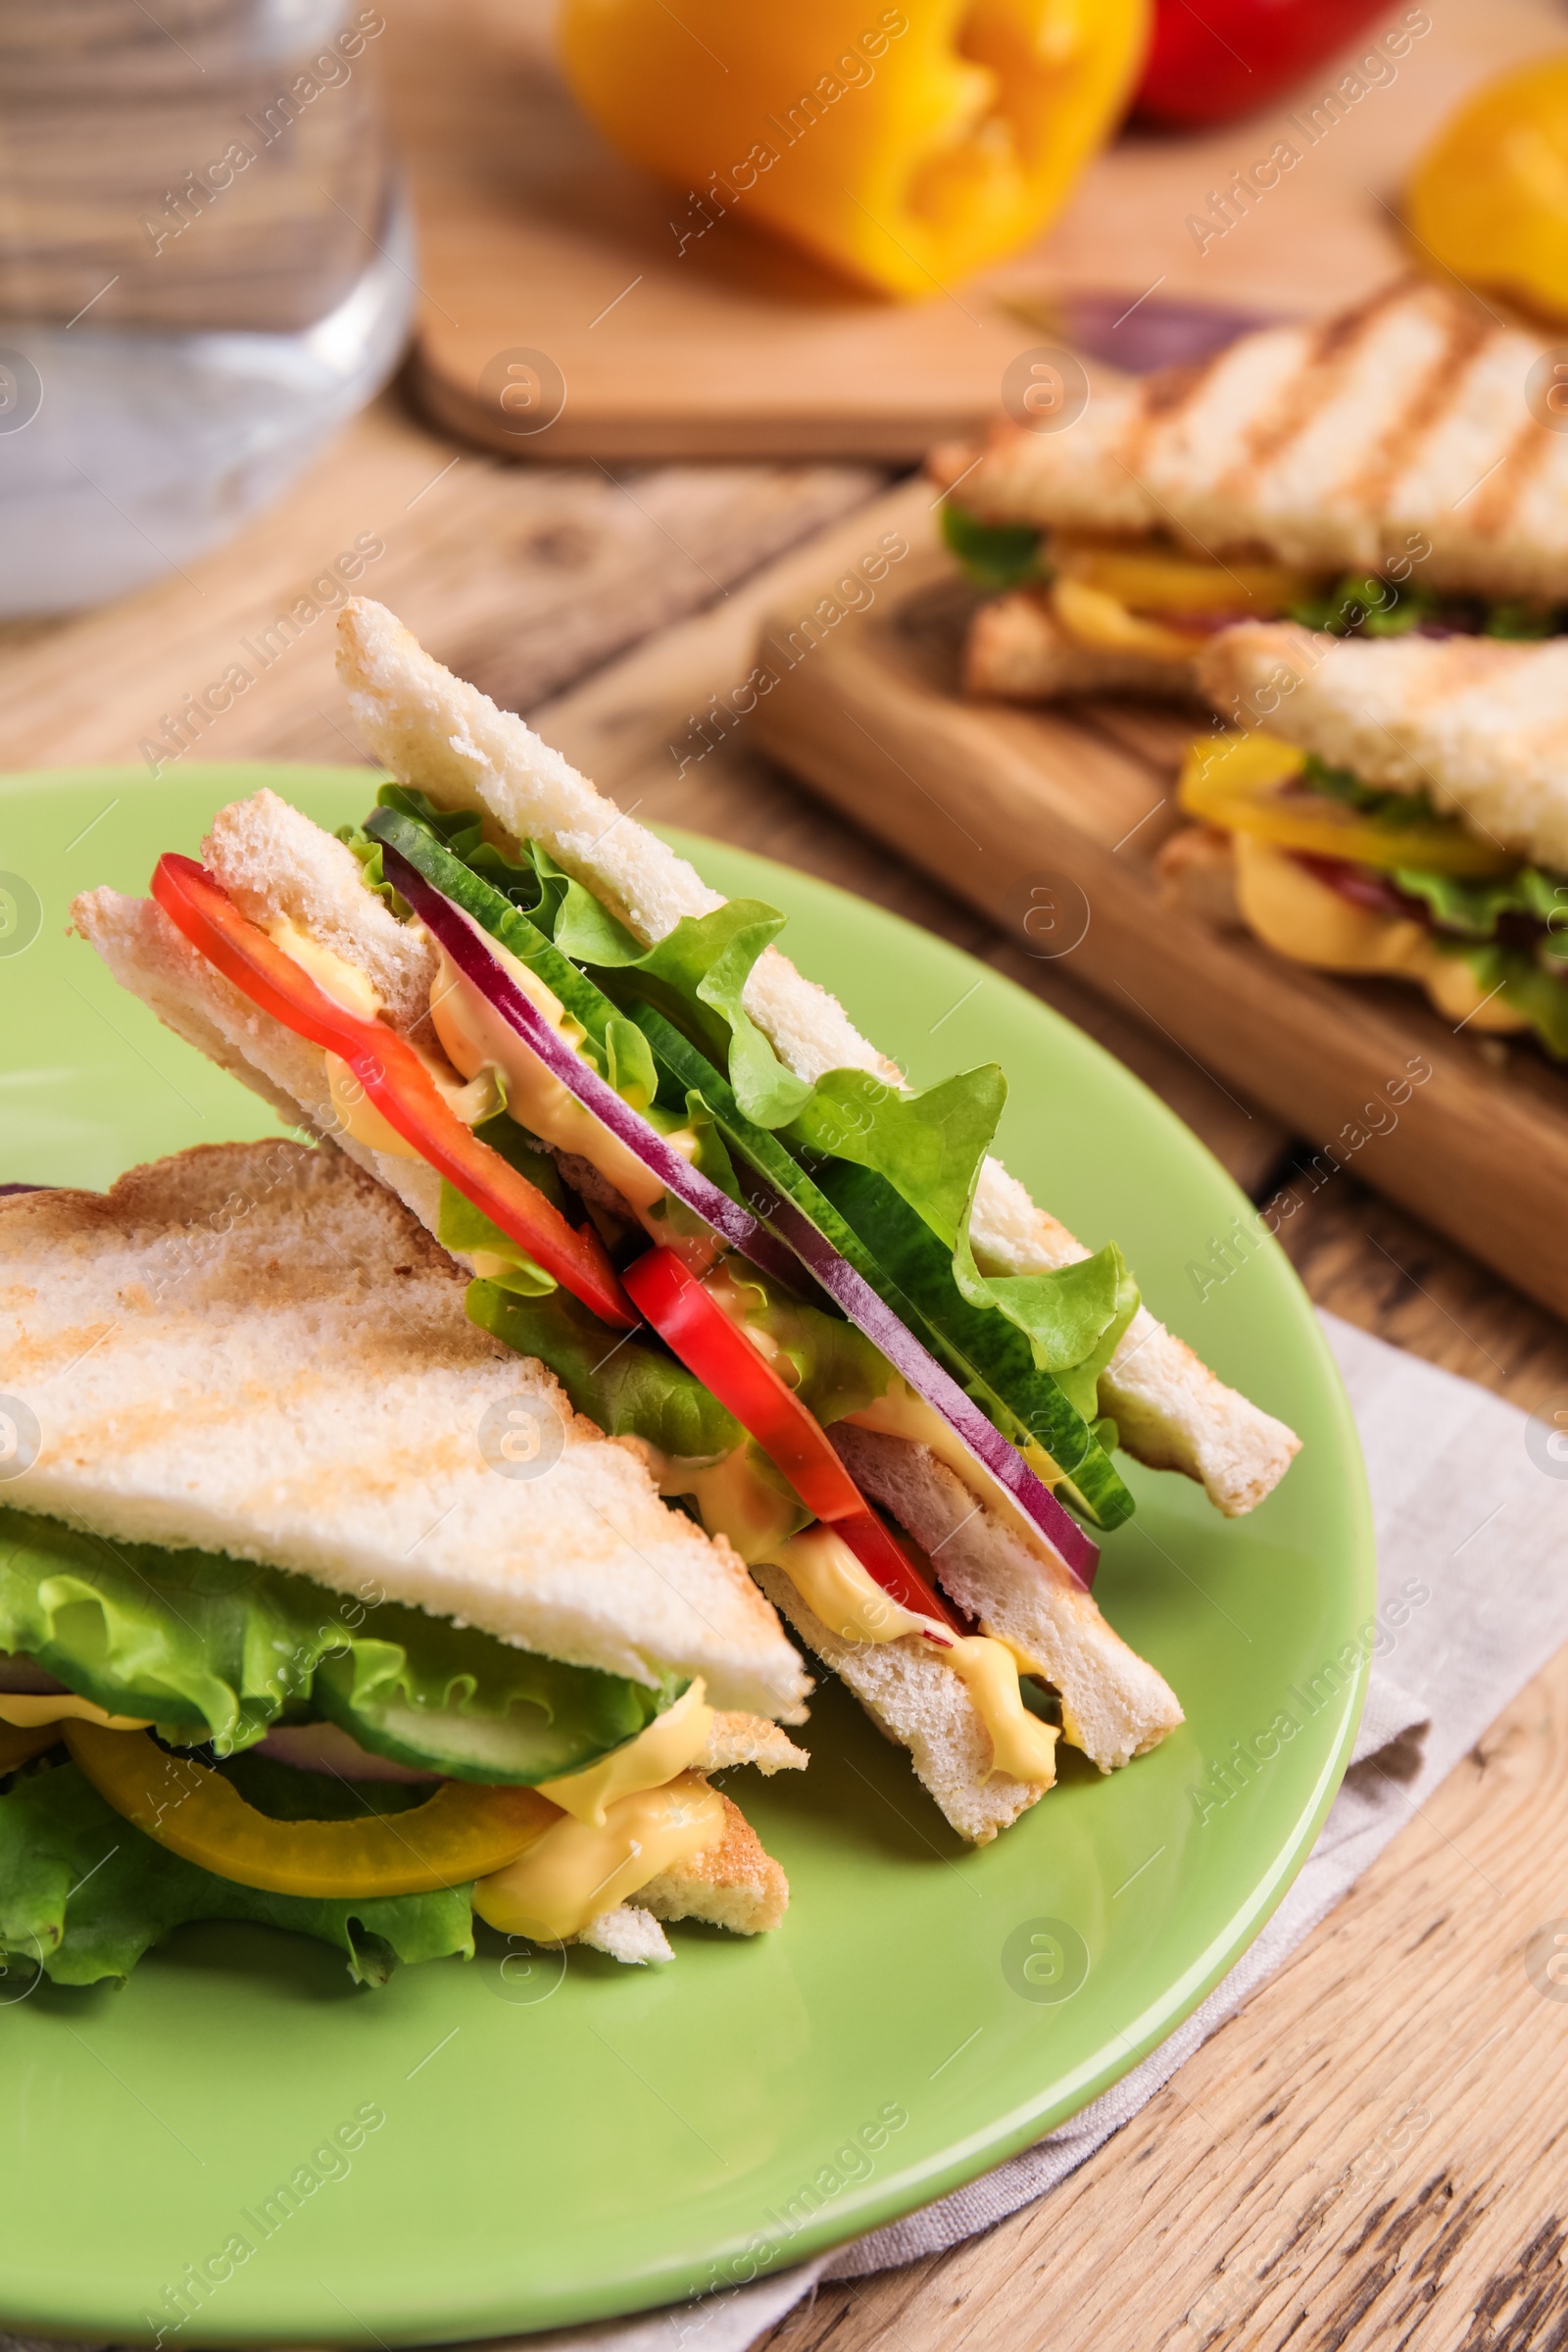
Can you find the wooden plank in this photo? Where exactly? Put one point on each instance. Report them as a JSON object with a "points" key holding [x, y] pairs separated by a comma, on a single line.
{"points": [[535, 237], [1368, 2155], [1048, 822]]}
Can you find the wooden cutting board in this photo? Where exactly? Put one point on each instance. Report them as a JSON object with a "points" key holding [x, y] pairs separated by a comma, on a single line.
{"points": [[1050, 823], [543, 255]]}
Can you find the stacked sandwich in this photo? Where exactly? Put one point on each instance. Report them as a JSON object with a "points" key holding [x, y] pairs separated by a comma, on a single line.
{"points": [[632, 1303], [1388, 470]]}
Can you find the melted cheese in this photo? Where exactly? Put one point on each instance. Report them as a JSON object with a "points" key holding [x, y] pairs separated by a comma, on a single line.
{"points": [[344, 982], [1296, 915], [357, 1116], [475, 1037], [849, 1601], [29, 1710], [667, 1747], [579, 1870]]}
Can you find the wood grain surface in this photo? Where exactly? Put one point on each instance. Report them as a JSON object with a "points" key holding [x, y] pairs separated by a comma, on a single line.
{"points": [[1283, 2188], [535, 237]]}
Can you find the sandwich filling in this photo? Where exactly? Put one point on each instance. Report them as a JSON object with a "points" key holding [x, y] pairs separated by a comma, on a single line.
{"points": [[738, 1439], [239, 1743], [1164, 596], [1335, 873]]}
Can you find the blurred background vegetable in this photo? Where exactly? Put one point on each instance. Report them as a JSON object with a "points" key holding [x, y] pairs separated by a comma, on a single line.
{"points": [[1489, 199], [905, 147], [1235, 55]]}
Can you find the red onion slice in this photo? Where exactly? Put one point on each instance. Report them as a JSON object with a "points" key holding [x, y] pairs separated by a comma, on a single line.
{"points": [[472, 951]]}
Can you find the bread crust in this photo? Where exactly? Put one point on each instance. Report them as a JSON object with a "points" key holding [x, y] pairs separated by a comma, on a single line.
{"points": [[1476, 724], [253, 1349], [1394, 432]]}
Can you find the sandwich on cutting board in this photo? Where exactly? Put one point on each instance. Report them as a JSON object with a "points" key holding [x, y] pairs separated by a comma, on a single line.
{"points": [[260, 1513], [838, 1334], [1369, 473], [1394, 809]]}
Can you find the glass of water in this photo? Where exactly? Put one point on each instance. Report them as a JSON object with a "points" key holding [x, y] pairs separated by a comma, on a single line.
{"points": [[205, 268]]}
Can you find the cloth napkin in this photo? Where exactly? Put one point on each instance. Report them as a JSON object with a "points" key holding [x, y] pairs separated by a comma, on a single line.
{"points": [[1469, 1498]]}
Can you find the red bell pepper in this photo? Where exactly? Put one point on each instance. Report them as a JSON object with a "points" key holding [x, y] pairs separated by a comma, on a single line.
{"points": [[1231, 57], [396, 1081], [699, 1332]]}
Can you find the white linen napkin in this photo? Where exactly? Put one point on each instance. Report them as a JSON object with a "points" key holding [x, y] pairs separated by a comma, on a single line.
{"points": [[1469, 1497]]}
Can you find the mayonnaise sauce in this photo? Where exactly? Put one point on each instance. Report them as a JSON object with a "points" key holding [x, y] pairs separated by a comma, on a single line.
{"points": [[670, 1745], [849, 1602], [344, 982], [579, 1870], [475, 1037], [27, 1709]]}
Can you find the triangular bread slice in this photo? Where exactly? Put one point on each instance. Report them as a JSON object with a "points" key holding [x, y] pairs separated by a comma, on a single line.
{"points": [[1478, 724], [434, 731], [1398, 432], [253, 1349]]}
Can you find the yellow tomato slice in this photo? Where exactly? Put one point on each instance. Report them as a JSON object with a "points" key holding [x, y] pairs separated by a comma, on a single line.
{"points": [[1092, 618], [465, 1831], [1154, 579], [19, 1742], [1243, 784]]}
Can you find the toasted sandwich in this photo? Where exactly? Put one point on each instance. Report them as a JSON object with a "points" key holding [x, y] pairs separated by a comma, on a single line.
{"points": [[293, 1633], [1382, 472], [1390, 809], [843, 1339]]}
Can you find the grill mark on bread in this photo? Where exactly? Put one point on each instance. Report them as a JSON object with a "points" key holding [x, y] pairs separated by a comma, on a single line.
{"points": [[1499, 496], [1164, 396], [1326, 358], [1464, 333]]}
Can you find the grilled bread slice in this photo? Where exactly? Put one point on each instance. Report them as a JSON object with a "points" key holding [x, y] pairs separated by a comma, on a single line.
{"points": [[1398, 432], [1478, 725], [252, 1349], [434, 730]]}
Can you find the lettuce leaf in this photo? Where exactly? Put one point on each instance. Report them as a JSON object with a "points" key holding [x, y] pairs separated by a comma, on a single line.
{"points": [[217, 1649], [82, 1894], [1473, 907], [629, 1391], [1530, 991], [994, 555], [924, 1151]]}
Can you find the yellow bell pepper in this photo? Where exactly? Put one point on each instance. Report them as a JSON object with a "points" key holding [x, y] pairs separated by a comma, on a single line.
{"points": [[905, 147], [1157, 579], [1488, 198], [1246, 784], [465, 1830]]}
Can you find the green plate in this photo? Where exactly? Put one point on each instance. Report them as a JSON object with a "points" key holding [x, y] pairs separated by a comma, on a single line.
{"points": [[563, 2143]]}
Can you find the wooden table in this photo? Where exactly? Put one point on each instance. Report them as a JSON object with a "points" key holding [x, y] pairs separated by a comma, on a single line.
{"points": [[1372, 2152]]}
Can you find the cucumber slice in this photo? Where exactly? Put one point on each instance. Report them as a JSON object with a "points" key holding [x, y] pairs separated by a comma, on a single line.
{"points": [[531, 1742]]}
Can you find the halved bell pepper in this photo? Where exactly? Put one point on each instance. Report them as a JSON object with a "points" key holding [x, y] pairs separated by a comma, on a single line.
{"points": [[1488, 198], [464, 1832], [905, 147]]}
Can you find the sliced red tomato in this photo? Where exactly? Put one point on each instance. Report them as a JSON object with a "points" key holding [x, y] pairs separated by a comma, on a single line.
{"points": [[396, 1081], [697, 1330]]}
